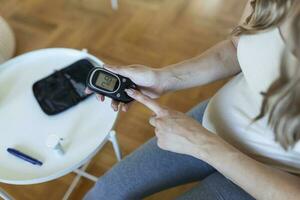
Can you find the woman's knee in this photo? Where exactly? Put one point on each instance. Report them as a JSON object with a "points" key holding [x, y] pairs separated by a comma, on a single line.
{"points": [[126, 179], [148, 170], [216, 187]]}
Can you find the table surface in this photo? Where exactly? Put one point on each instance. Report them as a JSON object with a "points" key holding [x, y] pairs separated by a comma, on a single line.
{"points": [[25, 127]]}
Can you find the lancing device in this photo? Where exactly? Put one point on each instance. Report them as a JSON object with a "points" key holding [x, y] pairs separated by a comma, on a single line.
{"points": [[24, 157]]}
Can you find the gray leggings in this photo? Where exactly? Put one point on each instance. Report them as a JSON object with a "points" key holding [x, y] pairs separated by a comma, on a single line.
{"points": [[150, 169]]}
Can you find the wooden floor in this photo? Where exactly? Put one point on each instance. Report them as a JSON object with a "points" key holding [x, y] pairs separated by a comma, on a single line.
{"points": [[151, 32]]}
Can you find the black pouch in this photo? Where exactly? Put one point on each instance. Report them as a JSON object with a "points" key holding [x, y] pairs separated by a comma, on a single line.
{"points": [[62, 89]]}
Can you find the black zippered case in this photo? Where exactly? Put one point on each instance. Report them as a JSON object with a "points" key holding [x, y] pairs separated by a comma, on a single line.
{"points": [[63, 89]]}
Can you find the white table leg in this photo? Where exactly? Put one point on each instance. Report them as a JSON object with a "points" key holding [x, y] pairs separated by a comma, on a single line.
{"points": [[80, 172], [86, 175], [4, 195], [113, 139], [114, 4]]}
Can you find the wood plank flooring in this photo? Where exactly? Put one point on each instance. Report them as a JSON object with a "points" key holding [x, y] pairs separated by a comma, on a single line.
{"points": [[150, 32]]}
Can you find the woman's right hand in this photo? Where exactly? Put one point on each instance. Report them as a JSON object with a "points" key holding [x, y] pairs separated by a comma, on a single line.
{"points": [[149, 80]]}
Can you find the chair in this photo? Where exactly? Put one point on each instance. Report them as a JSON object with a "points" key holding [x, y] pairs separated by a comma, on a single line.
{"points": [[7, 41], [7, 49], [114, 4], [4, 195]]}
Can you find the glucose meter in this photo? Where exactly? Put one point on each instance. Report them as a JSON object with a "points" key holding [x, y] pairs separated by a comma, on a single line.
{"points": [[109, 84]]}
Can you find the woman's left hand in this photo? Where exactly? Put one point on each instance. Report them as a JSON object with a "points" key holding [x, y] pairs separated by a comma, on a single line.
{"points": [[176, 131]]}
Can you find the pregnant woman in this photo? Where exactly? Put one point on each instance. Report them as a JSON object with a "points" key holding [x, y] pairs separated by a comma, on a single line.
{"points": [[243, 143]]}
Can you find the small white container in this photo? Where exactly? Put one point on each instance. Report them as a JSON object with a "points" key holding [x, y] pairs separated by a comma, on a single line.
{"points": [[54, 142]]}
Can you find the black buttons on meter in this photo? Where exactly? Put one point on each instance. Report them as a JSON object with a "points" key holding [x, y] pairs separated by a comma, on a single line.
{"points": [[109, 84]]}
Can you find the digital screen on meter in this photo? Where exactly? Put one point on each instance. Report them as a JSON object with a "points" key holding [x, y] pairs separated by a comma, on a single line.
{"points": [[106, 81], [109, 84]]}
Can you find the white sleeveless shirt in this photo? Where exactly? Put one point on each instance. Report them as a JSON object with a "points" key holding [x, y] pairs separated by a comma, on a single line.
{"points": [[232, 109]]}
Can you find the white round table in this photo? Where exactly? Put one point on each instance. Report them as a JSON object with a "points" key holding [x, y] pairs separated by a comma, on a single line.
{"points": [[85, 127]]}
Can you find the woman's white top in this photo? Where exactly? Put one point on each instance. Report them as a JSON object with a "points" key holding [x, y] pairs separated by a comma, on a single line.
{"points": [[232, 109]]}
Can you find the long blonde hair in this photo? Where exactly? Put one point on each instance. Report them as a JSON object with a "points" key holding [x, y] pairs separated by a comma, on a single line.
{"points": [[284, 113]]}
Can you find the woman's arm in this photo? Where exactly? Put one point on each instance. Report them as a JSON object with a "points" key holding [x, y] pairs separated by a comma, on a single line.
{"points": [[216, 63], [259, 180]]}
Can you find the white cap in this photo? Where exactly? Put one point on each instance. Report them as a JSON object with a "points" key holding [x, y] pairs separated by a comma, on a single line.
{"points": [[53, 142]]}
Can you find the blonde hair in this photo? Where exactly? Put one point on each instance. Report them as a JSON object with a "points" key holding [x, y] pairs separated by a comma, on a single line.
{"points": [[284, 113], [265, 14]]}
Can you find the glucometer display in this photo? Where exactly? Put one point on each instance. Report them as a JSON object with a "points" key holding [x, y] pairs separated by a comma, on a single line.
{"points": [[106, 81]]}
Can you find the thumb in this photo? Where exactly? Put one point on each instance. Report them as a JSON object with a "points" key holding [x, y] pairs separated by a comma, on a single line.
{"points": [[117, 70]]}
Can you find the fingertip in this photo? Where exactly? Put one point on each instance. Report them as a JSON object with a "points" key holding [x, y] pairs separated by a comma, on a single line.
{"points": [[87, 91], [102, 98], [115, 105], [152, 121], [147, 101], [124, 107]]}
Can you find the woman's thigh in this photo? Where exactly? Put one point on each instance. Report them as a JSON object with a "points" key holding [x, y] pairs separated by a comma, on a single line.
{"points": [[149, 170], [216, 187]]}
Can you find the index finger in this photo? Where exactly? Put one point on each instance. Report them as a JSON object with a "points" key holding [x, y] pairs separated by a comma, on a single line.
{"points": [[147, 101]]}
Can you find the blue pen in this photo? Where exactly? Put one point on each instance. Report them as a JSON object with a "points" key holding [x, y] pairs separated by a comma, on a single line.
{"points": [[24, 156]]}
